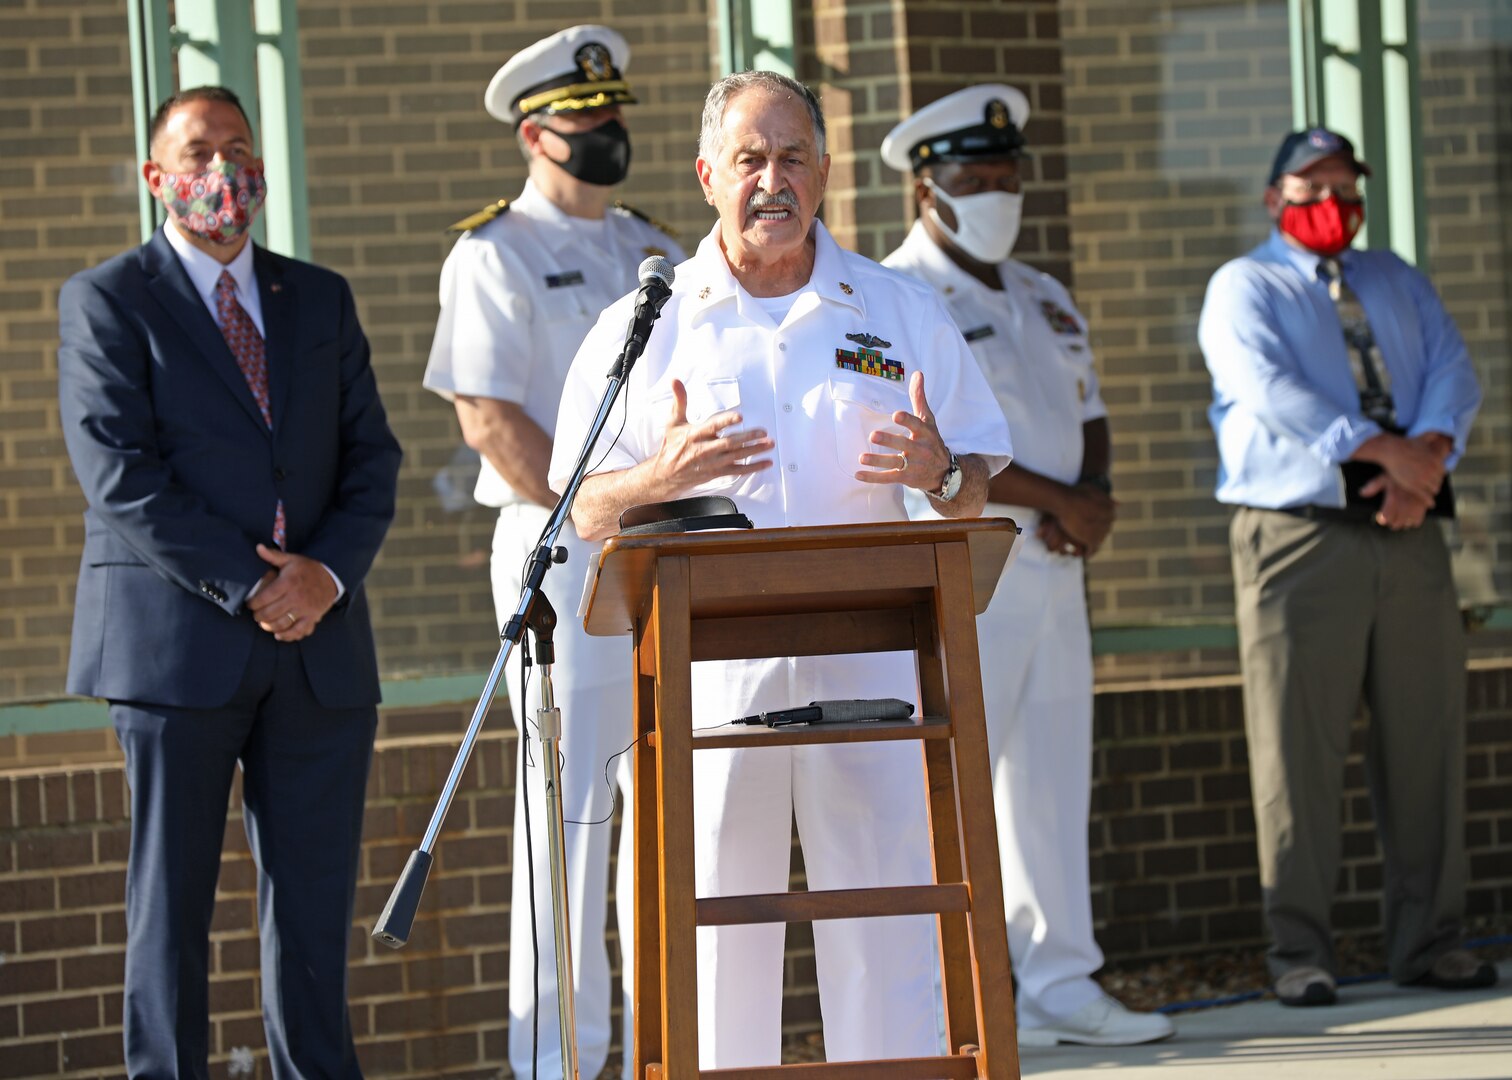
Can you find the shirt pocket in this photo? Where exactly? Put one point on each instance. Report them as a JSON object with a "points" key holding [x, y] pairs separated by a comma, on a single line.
{"points": [[860, 408], [705, 398]]}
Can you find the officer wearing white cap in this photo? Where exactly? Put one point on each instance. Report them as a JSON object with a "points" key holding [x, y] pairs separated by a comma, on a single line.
{"points": [[1031, 343], [519, 292]]}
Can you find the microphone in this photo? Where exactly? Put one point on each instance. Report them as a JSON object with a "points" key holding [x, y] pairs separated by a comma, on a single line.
{"points": [[656, 277]]}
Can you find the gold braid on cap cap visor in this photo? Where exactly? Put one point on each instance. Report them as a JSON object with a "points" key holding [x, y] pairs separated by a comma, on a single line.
{"points": [[578, 96]]}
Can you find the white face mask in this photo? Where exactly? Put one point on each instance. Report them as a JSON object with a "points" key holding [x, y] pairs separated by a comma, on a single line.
{"points": [[987, 223]]}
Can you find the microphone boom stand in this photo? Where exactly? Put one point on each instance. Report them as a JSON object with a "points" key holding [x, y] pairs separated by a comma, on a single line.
{"points": [[534, 611]]}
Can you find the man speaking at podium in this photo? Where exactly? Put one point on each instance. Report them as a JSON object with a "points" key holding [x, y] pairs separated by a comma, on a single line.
{"points": [[797, 379]]}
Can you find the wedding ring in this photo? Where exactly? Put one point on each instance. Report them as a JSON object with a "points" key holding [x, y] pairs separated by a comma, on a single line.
{"points": [[291, 617]]}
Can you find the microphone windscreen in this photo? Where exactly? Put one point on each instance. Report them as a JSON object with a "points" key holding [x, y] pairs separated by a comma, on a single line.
{"points": [[657, 268]]}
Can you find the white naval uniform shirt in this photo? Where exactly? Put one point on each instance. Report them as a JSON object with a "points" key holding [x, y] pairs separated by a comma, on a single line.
{"points": [[518, 294], [1031, 344], [787, 379]]}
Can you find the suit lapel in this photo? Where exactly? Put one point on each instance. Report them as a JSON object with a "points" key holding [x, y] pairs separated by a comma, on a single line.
{"points": [[279, 307], [170, 285]]}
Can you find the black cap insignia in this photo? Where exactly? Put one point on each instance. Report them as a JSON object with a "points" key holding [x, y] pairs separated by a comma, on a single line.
{"points": [[997, 113], [595, 62]]}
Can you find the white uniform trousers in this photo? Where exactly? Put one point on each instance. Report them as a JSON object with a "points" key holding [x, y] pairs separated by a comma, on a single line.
{"points": [[591, 679], [861, 815], [1037, 687]]}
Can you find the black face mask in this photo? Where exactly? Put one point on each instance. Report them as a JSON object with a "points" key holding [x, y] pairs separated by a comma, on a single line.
{"points": [[599, 156]]}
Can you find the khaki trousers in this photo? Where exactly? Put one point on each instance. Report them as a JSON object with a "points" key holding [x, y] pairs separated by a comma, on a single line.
{"points": [[1329, 612]]}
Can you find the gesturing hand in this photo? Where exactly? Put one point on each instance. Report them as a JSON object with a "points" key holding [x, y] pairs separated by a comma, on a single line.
{"points": [[693, 454], [296, 598], [921, 458]]}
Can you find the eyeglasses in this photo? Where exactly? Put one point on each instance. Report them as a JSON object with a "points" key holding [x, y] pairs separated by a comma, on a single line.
{"points": [[1301, 190]]}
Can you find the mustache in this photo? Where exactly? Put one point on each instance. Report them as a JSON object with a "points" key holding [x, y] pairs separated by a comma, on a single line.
{"points": [[761, 200]]}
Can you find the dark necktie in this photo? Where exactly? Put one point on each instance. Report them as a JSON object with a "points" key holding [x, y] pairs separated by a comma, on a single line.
{"points": [[246, 344], [1371, 377]]}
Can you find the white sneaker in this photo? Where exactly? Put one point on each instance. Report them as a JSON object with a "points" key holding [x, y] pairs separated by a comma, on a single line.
{"points": [[1102, 1022]]}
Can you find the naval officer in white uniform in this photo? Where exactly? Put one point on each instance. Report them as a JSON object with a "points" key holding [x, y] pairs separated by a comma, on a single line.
{"points": [[812, 386], [518, 293], [1031, 344]]}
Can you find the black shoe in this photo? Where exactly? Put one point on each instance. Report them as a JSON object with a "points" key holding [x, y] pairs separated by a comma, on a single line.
{"points": [[1458, 969], [1305, 986]]}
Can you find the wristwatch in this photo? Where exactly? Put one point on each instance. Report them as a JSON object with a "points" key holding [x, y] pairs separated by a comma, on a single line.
{"points": [[950, 487]]}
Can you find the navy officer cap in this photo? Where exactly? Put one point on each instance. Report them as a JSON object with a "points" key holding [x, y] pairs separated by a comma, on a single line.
{"points": [[979, 123], [1303, 149], [577, 68]]}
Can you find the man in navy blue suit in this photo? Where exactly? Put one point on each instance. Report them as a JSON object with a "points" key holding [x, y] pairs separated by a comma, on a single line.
{"points": [[223, 419]]}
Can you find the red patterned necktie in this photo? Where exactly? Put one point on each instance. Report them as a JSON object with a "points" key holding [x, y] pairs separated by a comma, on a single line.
{"points": [[246, 344]]}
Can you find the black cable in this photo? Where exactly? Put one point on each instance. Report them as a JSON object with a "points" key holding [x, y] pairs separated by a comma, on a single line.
{"points": [[609, 783], [624, 415]]}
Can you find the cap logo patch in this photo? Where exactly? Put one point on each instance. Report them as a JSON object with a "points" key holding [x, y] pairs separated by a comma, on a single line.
{"points": [[1324, 140], [997, 113], [595, 62]]}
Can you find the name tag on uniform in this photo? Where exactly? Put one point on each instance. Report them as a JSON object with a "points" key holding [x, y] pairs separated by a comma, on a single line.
{"points": [[979, 333], [566, 277]]}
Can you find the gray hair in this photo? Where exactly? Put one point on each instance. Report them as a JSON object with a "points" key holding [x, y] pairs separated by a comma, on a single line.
{"points": [[732, 86]]}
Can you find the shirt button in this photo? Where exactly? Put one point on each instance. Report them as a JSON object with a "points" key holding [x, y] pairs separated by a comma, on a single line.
{"points": [[793, 467], [782, 346], [787, 408]]}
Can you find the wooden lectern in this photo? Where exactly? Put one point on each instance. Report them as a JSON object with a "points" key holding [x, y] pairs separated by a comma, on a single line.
{"points": [[808, 592]]}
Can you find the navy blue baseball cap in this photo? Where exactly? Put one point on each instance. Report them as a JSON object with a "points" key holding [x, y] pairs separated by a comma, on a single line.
{"points": [[1302, 149]]}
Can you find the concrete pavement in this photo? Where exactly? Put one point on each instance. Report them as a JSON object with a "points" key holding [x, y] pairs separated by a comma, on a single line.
{"points": [[1377, 1031]]}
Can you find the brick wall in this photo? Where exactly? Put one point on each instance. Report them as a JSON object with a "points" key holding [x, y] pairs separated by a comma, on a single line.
{"points": [[1172, 835], [1173, 114], [1173, 870], [876, 61], [437, 1005]]}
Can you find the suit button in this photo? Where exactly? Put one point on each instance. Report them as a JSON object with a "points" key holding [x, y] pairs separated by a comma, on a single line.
{"points": [[279, 473]]}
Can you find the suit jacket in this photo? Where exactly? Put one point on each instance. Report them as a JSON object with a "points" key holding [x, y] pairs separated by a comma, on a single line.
{"points": [[182, 476]]}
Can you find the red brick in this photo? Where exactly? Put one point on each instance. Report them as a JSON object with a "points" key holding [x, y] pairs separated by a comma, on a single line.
{"points": [[463, 931], [113, 845], [30, 1059], [61, 1014], [432, 1054], [106, 888], [106, 969], [433, 973], [53, 849], [375, 979], [477, 1007], [29, 976], [50, 933], [88, 1051], [233, 995], [27, 894], [113, 927]]}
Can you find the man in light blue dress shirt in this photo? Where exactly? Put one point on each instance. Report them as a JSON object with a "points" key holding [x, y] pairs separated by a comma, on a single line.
{"points": [[1342, 397]]}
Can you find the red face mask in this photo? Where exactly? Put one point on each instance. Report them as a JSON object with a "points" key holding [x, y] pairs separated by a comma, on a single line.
{"points": [[1326, 226]]}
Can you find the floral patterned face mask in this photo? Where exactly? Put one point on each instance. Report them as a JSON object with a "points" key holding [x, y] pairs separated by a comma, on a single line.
{"points": [[217, 204]]}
